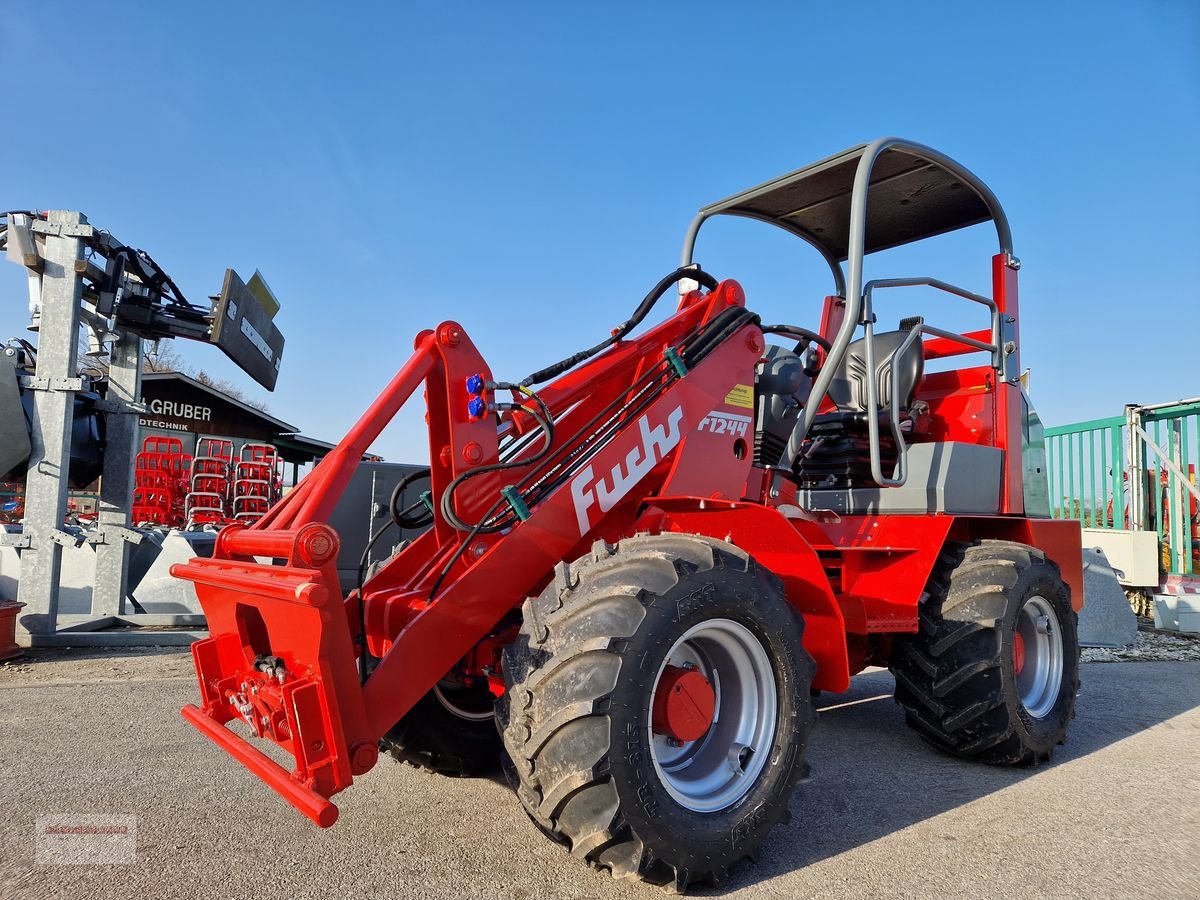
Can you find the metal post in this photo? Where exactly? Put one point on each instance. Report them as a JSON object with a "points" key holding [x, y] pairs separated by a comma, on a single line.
{"points": [[1180, 501], [1118, 488], [53, 389], [116, 484], [1137, 468]]}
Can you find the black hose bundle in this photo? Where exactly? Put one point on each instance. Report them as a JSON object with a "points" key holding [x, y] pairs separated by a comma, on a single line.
{"points": [[695, 273]]}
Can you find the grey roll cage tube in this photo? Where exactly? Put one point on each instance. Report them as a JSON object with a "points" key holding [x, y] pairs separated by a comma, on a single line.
{"points": [[858, 297]]}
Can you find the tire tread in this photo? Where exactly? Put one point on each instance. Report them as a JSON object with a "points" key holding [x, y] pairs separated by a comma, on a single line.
{"points": [[949, 676], [577, 804]]}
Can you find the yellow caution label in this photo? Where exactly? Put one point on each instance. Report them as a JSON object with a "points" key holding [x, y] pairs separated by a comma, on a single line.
{"points": [[742, 395]]}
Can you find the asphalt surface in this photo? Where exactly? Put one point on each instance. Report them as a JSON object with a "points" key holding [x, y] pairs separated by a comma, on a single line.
{"points": [[1117, 814]]}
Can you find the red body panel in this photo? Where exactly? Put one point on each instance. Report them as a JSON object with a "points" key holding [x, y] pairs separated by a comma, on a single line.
{"points": [[962, 405], [778, 545]]}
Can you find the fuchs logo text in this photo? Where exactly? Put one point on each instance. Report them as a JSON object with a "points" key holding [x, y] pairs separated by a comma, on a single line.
{"points": [[588, 491], [725, 423]]}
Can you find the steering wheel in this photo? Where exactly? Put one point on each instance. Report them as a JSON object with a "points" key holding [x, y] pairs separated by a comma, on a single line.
{"points": [[805, 338], [803, 335]]}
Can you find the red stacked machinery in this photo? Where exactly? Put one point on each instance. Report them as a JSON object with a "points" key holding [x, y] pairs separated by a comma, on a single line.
{"points": [[173, 488], [208, 497], [257, 482], [160, 481]]}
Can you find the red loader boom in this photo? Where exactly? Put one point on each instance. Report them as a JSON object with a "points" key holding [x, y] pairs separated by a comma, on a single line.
{"points": [[650, 560]]}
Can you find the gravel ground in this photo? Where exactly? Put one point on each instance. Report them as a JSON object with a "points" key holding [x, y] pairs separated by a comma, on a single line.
{"points": [[1116, 815], [1149, 646]]}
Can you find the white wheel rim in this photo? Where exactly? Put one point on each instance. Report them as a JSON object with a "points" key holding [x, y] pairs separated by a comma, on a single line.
{"points": [[463, 702], [1040, 677], [715, 771]]}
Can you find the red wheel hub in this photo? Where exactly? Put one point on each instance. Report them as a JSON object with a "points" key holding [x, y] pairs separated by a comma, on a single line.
{"points": [[1018, 653], [684, 702]]}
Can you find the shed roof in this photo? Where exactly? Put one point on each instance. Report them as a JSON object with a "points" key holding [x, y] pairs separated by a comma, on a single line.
{"points": [[275, 424], [299, 448]]}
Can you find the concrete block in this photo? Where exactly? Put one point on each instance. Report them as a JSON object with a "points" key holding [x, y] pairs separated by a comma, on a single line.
{"points": [[1177, 612], [77, 579], [10, 567], [1134, 554], [1107, 620], [78, 574], [157, 591], [142, 555], [150, 581]]}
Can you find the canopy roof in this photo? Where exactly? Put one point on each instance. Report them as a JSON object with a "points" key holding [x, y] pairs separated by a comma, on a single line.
{"points": [[913, 192]]}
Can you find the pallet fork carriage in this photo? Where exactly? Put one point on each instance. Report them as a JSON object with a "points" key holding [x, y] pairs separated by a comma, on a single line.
{"points": [[651, 559]]}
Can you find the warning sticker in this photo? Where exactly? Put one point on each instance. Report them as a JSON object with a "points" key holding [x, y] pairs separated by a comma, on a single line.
{"points": [[742, 395]]}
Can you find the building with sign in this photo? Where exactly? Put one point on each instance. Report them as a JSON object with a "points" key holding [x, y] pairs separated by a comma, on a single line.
{"points": [[179, 406]]}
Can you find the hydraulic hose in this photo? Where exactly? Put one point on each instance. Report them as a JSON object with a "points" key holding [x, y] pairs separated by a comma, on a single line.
{"points": [[693, 272], [722, 325], [544, 419], [399, 516]]}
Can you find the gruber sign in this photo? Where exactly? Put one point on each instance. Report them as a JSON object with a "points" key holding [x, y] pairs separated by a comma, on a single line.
{"points": [[168, 413], [175, 402]]}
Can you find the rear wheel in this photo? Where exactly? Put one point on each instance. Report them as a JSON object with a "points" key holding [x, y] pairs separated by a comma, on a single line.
{"points": [[451, 731], [658, 707], [993, 672]]}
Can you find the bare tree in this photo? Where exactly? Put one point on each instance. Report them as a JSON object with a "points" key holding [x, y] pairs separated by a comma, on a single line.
{"points": [[161, 356], [229, 389]]}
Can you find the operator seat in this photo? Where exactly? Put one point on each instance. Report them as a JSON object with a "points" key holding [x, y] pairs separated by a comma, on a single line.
{"points": [[836, 451]]}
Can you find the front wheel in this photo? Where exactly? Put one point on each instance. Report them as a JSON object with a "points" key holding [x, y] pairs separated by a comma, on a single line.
{"points": [[658, 707]]}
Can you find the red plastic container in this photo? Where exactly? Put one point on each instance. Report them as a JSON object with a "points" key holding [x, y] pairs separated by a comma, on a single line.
{"points": [[8, 628]]}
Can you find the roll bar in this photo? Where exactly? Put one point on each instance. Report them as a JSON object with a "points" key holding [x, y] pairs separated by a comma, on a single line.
{"points": [[689, 243], [919, 192], [914, 334]]}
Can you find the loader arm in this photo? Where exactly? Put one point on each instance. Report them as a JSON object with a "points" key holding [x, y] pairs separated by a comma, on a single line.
{"points": [[282, 658]]}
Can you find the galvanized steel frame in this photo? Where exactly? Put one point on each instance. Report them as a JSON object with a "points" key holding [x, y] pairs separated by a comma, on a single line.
{"points": [[60, 263]]}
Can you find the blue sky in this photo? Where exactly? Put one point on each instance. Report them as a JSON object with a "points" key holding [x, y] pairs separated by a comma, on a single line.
{"points": [[529, 169]]}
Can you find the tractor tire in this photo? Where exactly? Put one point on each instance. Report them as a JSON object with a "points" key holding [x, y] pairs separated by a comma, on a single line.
{"points": [[450, 731], [582, 719], [993, 671]]}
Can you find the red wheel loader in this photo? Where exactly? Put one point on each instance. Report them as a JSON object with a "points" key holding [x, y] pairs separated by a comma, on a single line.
{"points": [[634, 567]]}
